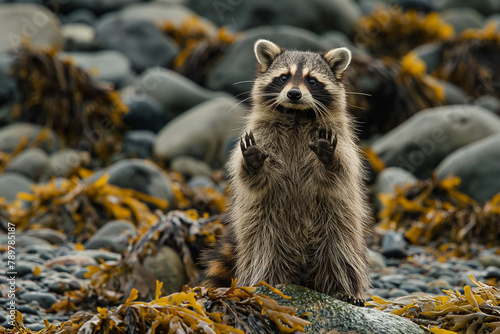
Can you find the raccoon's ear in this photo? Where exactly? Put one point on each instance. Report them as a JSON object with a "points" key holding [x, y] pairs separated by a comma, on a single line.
{"points": [[266, 51], [338, 60]]}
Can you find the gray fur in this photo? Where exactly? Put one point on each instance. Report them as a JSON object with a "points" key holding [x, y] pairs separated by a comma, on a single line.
{"points": [[297, 220]]}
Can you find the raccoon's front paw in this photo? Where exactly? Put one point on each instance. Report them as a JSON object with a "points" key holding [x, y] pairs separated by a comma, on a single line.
{"points": [[325, 146], [349, 299], [254, 156]]}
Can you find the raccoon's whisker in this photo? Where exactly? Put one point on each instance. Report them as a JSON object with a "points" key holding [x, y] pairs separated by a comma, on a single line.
{"points": [[244, 81], [358, 93]]}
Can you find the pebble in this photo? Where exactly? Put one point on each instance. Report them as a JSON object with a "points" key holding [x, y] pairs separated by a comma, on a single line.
{"points": [[44, 298], [393, 245], [32, 163], [190, 167], [13, 183], [11, 134]]}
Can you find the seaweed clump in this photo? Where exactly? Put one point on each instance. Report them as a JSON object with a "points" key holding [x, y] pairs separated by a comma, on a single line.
{"points": [[80, 208], [185, 232], [198, 310], [393, 91], [393, 32], [471, 61], [436, 211], [200, 47], [57, 94], [475, 311]]}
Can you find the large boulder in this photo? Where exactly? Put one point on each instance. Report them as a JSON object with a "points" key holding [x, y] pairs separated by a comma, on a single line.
{"points": [[173, 91], [202, 132], [423, 141], [20, 20], [239, 63], [330, 315], [140, 40], [314, 15], [478, 167]]}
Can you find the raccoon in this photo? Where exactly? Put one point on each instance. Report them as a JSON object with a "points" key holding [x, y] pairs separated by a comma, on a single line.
{"points": [[297, 212]]}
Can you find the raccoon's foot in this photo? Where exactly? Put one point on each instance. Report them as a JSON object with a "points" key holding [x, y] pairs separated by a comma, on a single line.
{"points": [[325, 146], [349, 299], [254, 156]]}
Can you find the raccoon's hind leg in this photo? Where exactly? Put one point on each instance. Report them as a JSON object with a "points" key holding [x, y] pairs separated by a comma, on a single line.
{"points": [[218, 263]]}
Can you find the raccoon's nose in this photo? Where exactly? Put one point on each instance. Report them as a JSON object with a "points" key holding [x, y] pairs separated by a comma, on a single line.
{"points": [[294, 94]]}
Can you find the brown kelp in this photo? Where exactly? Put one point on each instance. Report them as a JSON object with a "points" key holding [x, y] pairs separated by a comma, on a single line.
{"points": [[55, 93], [477, 310], [434, 210], [80, 208], [200, 47], [471, 61], [198, 310], [383, 93], [184, 231], [394, 32]]}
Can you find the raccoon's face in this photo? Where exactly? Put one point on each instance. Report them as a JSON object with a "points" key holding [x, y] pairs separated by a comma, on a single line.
{"points": [[295, 81]]}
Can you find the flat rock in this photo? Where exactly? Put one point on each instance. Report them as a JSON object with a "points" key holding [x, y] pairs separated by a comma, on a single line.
{"points": [[330, 315], [239, 63], [32, 163], [11, 134], [18, 20], [13, 183], [477, 166], [139, 175], [201, 132], [423, 141]]}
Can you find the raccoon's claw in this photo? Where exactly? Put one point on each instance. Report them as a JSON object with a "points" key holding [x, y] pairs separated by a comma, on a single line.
{"points": [[325, 146], [349, 299], [254, 156]]}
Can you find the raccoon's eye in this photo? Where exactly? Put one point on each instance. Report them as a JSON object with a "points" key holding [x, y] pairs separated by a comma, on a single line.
{"points": [[313, 81], [284, 78]]}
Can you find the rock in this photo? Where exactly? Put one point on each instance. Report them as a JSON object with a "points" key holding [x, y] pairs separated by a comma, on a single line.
{"points": [[113, 236], [95, 6], [52, 236], [11, 134], [423, 141], [139, 175], [376, 261], [145, 114], [388, 179], [168, 268], [394, 245], [414, 285], [201, 181], [493, 272], [44, 298], [24, 268], [83, 16], [239, 63], [201, 132], [431, 54], [12, 183], [79, 260], [99, 255], [141, 41], [489, 102], [62, 286], [485, 7], [38, 23], [183, 93], [494, 18], [395, 293], [32, 163], [108, 65], [330, 315], [139, 144], [489, 259], [314, 15], [78, 37], [189, 166], [477, 166], [63, 162], [454, 94], [160, 13], [463, 18]]}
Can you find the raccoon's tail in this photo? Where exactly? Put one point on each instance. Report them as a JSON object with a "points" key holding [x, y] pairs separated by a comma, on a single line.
{"points": [[218, 263]]}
